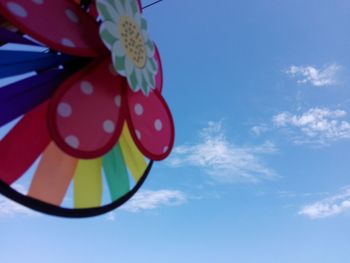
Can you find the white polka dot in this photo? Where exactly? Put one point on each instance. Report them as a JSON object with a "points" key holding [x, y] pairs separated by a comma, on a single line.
{"points": [[71, 16], [166, 148], [138, 109], [138, 134], [67, 42], [64, 110], [118, 101], [72, 141], [86, 87], [16, 9], [38, 2], [108, 126], [158, 125]]}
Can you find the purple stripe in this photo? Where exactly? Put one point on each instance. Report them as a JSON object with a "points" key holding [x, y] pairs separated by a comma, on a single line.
{"points": [[19, 98], [7, 36]]}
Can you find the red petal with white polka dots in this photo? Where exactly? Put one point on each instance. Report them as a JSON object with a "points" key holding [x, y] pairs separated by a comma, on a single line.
{"points": [[159, 75], [93, 10], [151, 124], [87, 112], [62, 25]]}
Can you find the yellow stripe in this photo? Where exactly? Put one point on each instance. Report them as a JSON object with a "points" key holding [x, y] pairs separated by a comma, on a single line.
{"points": [[88, 184], [133, 157]]}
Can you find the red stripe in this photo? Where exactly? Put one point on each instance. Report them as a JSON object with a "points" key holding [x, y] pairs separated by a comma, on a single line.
{"points": [[23, 144]]}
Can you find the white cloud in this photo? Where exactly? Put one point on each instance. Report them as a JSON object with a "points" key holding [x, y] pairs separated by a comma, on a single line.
{"points": [[317, 125], [292, 194], [259, 129], [223, 160], [149, 200], [111, 216], [9, 208], [331, 206], [314, 76]]}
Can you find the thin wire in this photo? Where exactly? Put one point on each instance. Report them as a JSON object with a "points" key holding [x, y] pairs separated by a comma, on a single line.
{"points": [[85, 4], [156, 2]]}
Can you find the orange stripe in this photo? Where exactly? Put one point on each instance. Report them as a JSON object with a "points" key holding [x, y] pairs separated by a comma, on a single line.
{"points": [[52, 178]]}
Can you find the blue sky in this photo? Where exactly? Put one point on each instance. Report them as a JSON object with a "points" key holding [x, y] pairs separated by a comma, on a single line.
{"points": [[260, 94]]}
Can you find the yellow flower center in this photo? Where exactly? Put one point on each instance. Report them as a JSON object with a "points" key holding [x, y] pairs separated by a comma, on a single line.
{"points": [[132, 41]]}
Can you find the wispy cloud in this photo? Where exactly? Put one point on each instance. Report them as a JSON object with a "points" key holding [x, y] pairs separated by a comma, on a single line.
{"points": [[150, 200], [9, 208], [293, 194], [111, 216], [259, 129], [331, 206], [316, 126], [223, 160], [316, 77]]}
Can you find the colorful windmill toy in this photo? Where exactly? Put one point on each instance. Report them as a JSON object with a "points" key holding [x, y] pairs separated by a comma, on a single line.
{"points": [[82, 117]]}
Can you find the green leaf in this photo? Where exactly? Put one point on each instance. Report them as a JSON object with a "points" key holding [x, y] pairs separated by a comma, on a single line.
{"points": [[153, 65], [133, 81], [103, 11], [119, 63], [143, 24], [151, 78], [134, 7], [107, 37], [144, 86]]}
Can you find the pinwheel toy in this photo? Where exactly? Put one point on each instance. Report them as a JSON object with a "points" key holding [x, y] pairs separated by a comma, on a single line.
{"points": [[82, 113]]}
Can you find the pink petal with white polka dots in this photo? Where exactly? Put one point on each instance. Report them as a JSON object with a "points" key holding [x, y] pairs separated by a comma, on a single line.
{"points": [[159, 75], [87, 112], [150, 123], [61, 25]]}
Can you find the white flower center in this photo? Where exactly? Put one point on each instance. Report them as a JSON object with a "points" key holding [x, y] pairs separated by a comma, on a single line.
{"points": [[132, 41]]}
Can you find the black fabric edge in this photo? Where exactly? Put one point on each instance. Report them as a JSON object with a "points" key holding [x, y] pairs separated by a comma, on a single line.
{"points": [[53, 210]]}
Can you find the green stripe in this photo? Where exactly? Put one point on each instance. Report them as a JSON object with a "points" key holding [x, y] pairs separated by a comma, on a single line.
{"points": [[116, 173]]}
